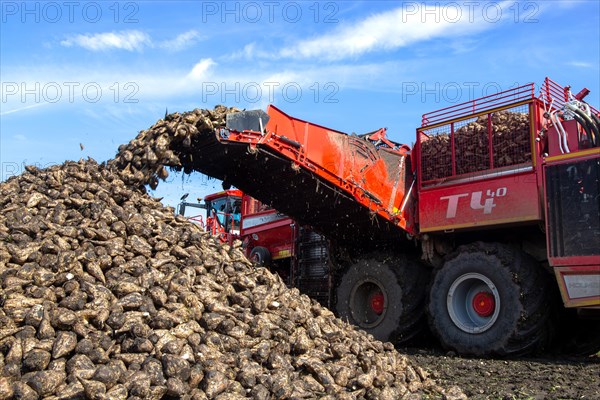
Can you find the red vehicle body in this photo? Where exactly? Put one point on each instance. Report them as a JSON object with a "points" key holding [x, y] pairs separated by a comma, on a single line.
{"points": [[513, 208], [265, 227]]}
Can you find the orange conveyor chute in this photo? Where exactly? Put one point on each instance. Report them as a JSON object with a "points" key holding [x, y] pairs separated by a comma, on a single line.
{"points": [[352, 188]]}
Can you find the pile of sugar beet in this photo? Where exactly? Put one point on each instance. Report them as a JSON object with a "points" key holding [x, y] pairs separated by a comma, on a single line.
{"points": [[107, 294], [510, 133]]}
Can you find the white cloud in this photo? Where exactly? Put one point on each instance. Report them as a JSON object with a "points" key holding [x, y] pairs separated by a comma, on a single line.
{"points": [[19, 109], [580, 64], [133, 40], [201, 68], [182, 41], [400, 27], [569, 3], [249, 52], [124, 40]]}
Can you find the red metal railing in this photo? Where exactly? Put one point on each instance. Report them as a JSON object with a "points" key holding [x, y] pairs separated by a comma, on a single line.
{"points": [[481, 104], [198, 219], [551, 93], [555, 95]]}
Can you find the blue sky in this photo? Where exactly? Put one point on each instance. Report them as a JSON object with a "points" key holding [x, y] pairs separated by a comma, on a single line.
{"points": [[96, 73]]}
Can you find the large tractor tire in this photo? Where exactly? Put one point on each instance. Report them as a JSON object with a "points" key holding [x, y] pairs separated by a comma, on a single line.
{"points": [[385, 296], [489, 299], [261, 256]]}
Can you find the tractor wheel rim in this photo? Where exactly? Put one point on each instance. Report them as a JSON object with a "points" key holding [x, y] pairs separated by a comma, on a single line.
{"points": [[368, 303], [473, 303], [484, 304]]}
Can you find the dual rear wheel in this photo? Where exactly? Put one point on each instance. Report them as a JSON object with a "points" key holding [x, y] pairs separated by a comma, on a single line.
{"points": [[488, 298]]}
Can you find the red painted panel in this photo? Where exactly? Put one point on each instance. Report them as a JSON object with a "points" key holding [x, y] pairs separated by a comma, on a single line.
{"points": [[574, 260], [489, 201], [278, 239], [556, 144], [267, 228]]}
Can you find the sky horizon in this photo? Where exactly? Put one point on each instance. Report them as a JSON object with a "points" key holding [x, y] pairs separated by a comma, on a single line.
{"points": [[80, 78]]}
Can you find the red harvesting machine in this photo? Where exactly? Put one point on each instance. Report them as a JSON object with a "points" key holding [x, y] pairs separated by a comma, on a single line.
{"points": [[495, 208]]}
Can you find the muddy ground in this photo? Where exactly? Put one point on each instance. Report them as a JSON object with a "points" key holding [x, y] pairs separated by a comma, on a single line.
{"points": [[541, 377]]}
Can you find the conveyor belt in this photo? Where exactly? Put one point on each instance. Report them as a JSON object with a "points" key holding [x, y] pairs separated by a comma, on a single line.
{"points": [[300, 194]]}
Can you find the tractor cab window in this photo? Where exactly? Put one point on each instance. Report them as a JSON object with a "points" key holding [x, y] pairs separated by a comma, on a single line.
{"points": [[217, 210], [235, 204], [227, 211]]}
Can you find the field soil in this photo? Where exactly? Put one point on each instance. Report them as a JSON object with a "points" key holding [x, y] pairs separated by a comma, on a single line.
{"points": [[542, 377]]}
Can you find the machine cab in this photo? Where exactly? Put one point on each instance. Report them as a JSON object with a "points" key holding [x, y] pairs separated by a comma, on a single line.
{"points": [[224, 213]]}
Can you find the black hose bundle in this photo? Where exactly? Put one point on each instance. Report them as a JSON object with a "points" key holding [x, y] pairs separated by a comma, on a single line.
{"points": [[590, 124], [596, 120], [585, 126]]}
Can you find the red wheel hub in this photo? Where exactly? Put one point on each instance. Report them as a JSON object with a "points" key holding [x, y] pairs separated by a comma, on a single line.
{"points": [[377, 301], [484, 304]]}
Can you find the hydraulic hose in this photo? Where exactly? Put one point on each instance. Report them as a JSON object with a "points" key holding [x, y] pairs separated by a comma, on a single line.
{"points": [[593, 127], [596, 120], [560, 132], [585, 127], [588, 122]]}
